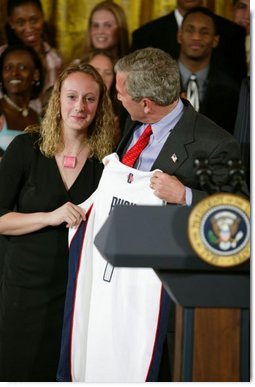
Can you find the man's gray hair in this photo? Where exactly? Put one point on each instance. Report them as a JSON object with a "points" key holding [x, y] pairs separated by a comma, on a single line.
{"points": [[151, 73]]}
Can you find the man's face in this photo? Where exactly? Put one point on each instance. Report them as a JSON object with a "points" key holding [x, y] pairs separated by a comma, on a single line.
{"points": [[134, 108], [242, 14], [197, 37]]}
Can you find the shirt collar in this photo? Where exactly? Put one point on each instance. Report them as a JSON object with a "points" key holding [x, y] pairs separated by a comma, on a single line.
{"points": [[178, 17], [167, 123], [186, 73]]}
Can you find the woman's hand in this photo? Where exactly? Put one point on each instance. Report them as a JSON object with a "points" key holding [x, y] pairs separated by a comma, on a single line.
{"points": [[69, 213], [16, 223]]}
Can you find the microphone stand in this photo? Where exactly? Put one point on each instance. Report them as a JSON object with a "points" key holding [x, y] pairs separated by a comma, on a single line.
{"points": [[236, 174], [204, 174]]}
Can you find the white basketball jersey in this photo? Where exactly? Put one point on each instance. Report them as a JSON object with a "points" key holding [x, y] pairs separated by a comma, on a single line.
{"points": [[116, 310]]}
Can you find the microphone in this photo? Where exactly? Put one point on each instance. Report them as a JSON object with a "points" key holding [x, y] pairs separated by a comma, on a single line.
{"points": [[204, 175], [236, 174]]}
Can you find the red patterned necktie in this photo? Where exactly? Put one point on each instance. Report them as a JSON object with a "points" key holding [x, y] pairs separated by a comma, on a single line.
{"points": [[134, 152]]}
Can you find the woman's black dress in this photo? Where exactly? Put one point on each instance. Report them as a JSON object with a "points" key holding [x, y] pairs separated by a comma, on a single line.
{"points": [[34, 278]]}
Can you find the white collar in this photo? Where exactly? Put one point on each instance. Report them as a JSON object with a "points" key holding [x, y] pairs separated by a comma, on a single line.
{"points": [[178, 17]]}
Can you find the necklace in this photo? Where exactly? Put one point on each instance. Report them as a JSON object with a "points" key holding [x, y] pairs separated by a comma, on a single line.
{"points": [[23, 111], [71, 161]]}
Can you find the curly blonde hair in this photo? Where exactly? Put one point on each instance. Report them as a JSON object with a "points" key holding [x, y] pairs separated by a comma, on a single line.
{"points": [[101, 132]]}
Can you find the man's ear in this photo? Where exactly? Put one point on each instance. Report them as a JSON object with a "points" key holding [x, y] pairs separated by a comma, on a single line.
{"points": [[36, 75], [179, 36], [9, 21], [216, 40], [146, 105]]}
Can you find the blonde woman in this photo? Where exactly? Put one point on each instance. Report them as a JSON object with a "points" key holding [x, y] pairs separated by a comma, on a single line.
{"points": [[108, 29], [44, 175]]}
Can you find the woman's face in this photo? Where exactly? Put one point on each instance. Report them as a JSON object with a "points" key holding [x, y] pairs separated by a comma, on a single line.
{"points": [[104, 30], [79, 97], [104, 66], [27, 21], [19, 72]]}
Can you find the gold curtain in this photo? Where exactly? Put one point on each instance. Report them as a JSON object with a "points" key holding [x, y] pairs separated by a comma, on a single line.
{"points": [[223, 8], [68, 18]]}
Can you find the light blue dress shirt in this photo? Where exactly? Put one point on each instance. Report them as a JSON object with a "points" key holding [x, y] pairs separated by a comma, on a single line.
{"points": [[201, 75], [160, 133]]}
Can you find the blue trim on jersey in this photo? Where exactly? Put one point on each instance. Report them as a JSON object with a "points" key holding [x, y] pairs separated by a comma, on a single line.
{"points": [[152, 375], [64, 371]]}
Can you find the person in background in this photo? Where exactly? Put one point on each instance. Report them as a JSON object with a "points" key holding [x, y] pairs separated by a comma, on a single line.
{"points": [[3, 239], [108, 29], [104, 61], [229, 55], [2, 122], [26, 24], [22, 79], [44, 175], [216, 92], [241, 16]]}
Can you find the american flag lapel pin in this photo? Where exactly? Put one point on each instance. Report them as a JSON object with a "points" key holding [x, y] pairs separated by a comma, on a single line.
{"points": [[174, 158]]}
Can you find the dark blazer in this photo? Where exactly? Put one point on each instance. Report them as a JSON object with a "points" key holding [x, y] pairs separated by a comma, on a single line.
{"points": [[220, 100], [229, 56], [242, 130], [194, 136]]}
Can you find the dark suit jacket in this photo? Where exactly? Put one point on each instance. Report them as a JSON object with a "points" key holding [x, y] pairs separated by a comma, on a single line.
{"points": [[229, 55], [194, 136], [220, 100], [242, 130]]}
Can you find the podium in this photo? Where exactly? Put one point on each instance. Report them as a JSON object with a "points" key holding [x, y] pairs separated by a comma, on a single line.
{"points": [[211, 320]]}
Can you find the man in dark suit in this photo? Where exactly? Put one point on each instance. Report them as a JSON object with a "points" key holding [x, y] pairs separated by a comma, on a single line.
{"points": [[148, 85], [218, 93], [162, 33]]}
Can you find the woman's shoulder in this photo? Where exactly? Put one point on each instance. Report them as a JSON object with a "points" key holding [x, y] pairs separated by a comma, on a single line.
{"points": [[2, 48], [22, 148], [52, 55], [26, 140]]}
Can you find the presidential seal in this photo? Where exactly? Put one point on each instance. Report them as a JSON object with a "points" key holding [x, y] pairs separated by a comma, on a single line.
{"points": [[219, 229]]}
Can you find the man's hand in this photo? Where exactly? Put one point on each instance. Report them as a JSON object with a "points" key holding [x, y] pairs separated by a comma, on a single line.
{"points": [[168, 188]]}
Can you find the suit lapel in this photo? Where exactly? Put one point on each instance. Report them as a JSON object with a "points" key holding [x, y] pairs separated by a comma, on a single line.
{"points": [[174, 151], [126, 137]]}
